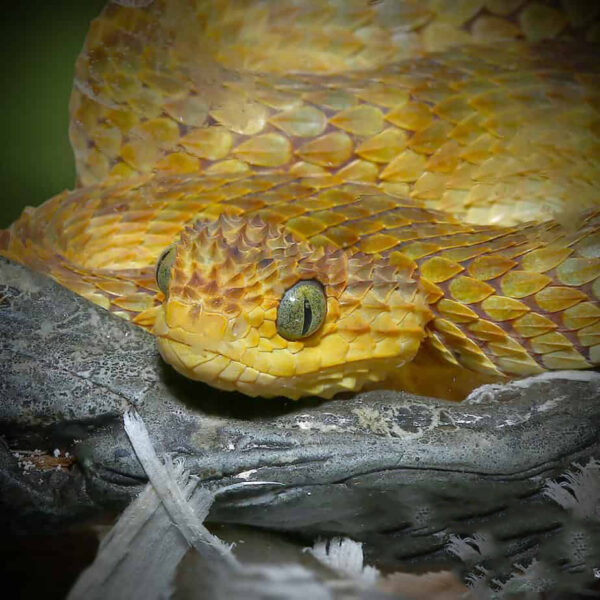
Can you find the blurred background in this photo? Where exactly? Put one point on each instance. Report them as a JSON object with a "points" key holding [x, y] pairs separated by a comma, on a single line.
{"points": [[41, 41]]}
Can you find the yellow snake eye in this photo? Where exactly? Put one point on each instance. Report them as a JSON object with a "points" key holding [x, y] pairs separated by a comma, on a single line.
{"points": [[302, 310], [163, 268]]}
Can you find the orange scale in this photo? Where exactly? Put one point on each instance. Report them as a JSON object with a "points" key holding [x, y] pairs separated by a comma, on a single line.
{"points": [[358, 170], [242, 206], [405, 167], [502, 308], [503, 245], [301, 121], [550, 342], [329, 150], [377, 243], [267, 150], [289, 210], [462, 253], [135, 302], [392, 219], [162, 131], [412, 115], [478, 362], [490, 267], [492, 102], [432, 292], [362, 120], [190, 206], [418, 215], [519, 250], [453, 109], [342, 236], [437, 269], [313, 204], [419, 249], [117, 287], [296, 190], [443, 232], [449, 330], [428, 140], [331, 99], [273, 197], [429, 186], [578, 271], [354, 211], [404, 234], [509, 347], [124, 120], [249, 186], [480, 149], [401, 262], [364, 228], [435, 342], [581, 315], [488, 331], [445, 159], [564, 359], [468, 130], [384, 95], [305, 227], [469, 290], [236, 189], [557, 298], [520, 284], [381, 203], [590, 335], [481, 237], [321, 240], [587, 247], [178, 163], [470, 352], [336, 197], [383, 147], [329, 218], [211, 143], [214, 211], [533, 324], [519, 364]]}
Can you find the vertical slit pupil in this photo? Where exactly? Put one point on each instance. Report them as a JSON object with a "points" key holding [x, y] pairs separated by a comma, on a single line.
{"points": [[307, 317]]}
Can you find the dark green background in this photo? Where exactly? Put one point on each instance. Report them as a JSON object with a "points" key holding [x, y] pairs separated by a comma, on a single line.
{"points": [[42, 40]]}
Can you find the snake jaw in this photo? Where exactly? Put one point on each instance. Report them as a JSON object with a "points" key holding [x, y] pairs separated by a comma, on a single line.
{"points": [[222, 372], [218, 321]]}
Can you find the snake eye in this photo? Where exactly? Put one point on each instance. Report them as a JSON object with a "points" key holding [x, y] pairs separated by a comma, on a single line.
{"points": [[163, 268], [302, 310]]}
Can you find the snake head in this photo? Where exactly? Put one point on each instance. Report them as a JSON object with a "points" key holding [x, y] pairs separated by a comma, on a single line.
{"points": [[219, 320]]}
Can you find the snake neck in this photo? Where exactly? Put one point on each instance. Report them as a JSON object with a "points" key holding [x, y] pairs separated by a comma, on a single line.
{"points": [[519, 304]]}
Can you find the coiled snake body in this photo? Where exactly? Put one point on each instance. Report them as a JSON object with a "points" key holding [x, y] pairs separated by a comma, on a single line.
{"points": [[430, 169]]}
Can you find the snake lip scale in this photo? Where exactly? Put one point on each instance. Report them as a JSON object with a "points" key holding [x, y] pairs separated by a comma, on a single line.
{"points": [[337, 196]]}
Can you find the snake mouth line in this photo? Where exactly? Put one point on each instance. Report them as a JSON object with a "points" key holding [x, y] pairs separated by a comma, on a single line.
{"points": [[234, 375], [190, 369], [174, 343]]}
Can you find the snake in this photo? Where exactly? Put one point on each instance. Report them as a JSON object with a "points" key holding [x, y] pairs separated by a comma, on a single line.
{"points": [[306, 198]]}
